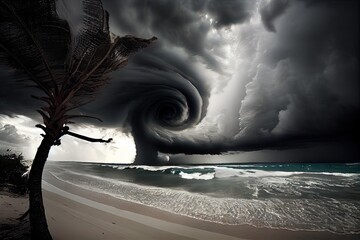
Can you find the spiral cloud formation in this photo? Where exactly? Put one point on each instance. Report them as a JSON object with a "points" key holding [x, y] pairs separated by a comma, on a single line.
{"points": [[154, 97]]}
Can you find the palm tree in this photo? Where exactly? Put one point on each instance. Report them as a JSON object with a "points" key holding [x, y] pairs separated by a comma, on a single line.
{"points": [[68, 70]]}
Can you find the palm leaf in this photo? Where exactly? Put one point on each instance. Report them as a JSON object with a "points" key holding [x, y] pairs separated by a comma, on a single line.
{"points": [[98, 52], [34, 41]]}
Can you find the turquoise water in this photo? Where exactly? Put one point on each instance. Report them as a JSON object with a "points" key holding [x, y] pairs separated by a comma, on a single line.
{"points": [[305, 167], [318, 197]]}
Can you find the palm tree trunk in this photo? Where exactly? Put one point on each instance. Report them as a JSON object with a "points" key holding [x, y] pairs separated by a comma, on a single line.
{"points": [[38, 225]]}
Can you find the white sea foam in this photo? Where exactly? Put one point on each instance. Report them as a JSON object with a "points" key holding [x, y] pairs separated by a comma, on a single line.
{"points": [[225, 172], [337, 174], [196, 175], [256, 192]]}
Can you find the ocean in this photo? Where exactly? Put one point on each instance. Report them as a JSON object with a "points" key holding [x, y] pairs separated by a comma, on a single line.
{"points": [[313, 197]]}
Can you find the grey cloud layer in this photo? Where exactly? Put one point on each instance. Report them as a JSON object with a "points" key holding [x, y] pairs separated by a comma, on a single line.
{"points": [[270, 11], [9, 134], [307, 82]]}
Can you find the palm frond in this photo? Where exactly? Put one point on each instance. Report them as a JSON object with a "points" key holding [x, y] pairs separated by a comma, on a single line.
{"points": [[34, 41], [98, 52], [82, 116]]}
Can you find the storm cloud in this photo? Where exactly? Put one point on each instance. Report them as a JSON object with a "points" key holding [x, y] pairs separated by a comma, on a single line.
{"points": [[9, 134], [231, 75], [270, 11]]}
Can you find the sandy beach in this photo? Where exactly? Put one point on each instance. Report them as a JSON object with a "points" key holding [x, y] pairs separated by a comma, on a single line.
{"points": [[12, 207], [77, 213]]}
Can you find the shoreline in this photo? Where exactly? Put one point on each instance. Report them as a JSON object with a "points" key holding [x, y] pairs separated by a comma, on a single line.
{"points": [[181, 227]]}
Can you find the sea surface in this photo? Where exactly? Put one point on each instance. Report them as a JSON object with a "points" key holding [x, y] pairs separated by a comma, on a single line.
{"points": [[314, 197]]}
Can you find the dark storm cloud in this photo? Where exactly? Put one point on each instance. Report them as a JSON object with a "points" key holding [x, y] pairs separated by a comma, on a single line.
{"points": [[173, 22], [304, 90], [151, 70], [251, 144], [229, 12], [179, 23], [312, 69], [270, 11], [156, 93]]}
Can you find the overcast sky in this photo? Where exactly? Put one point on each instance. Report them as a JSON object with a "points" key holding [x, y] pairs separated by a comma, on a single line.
{"points": [[266, 80]]}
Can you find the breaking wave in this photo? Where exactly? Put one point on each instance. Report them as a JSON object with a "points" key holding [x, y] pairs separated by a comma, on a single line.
{"points": [[201, 176], [204, 172]]}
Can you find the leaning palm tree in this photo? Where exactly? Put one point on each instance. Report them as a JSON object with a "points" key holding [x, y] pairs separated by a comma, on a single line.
{"points": [[68, 70]]}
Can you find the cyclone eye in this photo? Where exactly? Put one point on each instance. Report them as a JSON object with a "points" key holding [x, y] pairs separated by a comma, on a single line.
{"points": [[167, 112]]}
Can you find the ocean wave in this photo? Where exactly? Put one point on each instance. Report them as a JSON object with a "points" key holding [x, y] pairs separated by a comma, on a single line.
{"points": [[149, 168], [197, 172]]}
